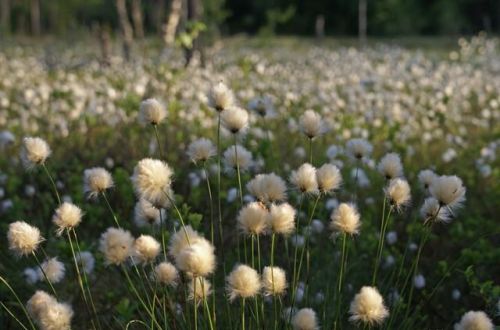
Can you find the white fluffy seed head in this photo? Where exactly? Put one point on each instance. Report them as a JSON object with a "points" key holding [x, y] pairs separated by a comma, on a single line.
{"points": [[390, 166], [329, 178], [146, 248], [220, 97], [281, 219], [448, 190], [398, 192], [243, 282], [426, 177], [474, 320], [96, 180], [182, 239], [234, 119], [368, 307], [87, 260], [38, 302], [252, 219], [35, 152], [117, 245], [432, 211], [201, 150], [267, 188], [244, 159], [146, 215], [151, 112], [305, 319], [67, 216], [152, 181], [311, 124], [166, 273], [48, 313], [200, 289], [23, 238], [304, 179], [358, 148], [274, 281], [198, 259], [345, 219], [53, 269]]}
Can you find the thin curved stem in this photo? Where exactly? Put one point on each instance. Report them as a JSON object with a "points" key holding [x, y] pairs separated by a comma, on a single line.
{"points": [[110, 209], [381, 242], [238, 170], [158, 141], [340, 279], [4, 281], [52, 182], [45, 275]]}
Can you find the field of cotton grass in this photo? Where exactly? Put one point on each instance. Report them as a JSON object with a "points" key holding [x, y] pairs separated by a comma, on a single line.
{"points": [[284, 186]]}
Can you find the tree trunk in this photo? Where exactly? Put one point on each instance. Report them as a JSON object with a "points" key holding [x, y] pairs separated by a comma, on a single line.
{"points": [[194, 10], [137, 18], [172, 22], [35, 17], [5, 16], [125, 26], [362, 21], [156, 16]]}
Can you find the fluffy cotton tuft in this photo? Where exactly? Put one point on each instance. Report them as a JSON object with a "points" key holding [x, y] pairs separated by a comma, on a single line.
{"points": [[432, 211], [234, 119], [358, 148], [390, 166], [151, 112], [473, 320], [281, 219], [35, 152], [146, 248], [329, 178], [220, 97], [167, 274], [267, 188], [53, 269], [305, 319], [274, 281], [201, 150], [243, 282], [48, 313], [311, 124], [398, 192], [252, 219], [368, 307], [145, 214], [200, 291], [182, 239], [86, 260], [117, 245], [96, 180], [448, 190], [244, 159], [304, 179], [23, 238], [426, 177], [152, 181], [345, 219], [67, 216], [198, 259]]}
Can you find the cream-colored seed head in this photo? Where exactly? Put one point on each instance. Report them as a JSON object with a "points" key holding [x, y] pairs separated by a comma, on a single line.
{"points": [[267, 188], [358, 148], [167, 274], [398, 192], [23, 238], [243, 282], [274, 281], [432, 211], [146, 215], [243, 159], [151, 112], [146, 248], [473, 320], [201, 150], [198, 259], [329, 178], [182, 239], [252, 219], [345, 219], [368, 307], [117, 245], [48, 313], [54, 270], [304, 179], [234, 119], [305, 319], [311, 124], [281, 219], [35, 151], [96, 180], [199, 288], [38, 302], [448, 190], [220, 97], [426, 177], [390, 166], [152, 181], [67, 216]]}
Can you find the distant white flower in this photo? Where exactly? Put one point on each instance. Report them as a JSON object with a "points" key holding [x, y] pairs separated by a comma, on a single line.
{"points": [[311, 124], [34, 152], [151, 112], [358, 148], [419, 281]]}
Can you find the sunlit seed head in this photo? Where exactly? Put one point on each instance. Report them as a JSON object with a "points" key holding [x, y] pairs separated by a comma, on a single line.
{"points": [[237, 158], [267, 188], [311, 124], [117, 245], [281, 219], [234, 119], [152, 179], [274, 281], [243, 282], [345, 219], [56, 316], [252, 219], [358, 148], [220, 97], [182, 239], [38, 302], [398, 192], [146, 248], [329, 178], [54, 270], [448, 190], [368, 307], [67, 216], [201, 150], [474, 320], [304, 179], [96, 180], [197, 259], [35, 151], [390, 166], [166, 273], [23, 238], [305, 319], [146, 215], [151, 112]]}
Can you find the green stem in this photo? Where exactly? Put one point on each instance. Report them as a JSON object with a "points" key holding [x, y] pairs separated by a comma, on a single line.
{"points": [[52, 182], [243, 314], [13, 315], [110, 209], [238, 170], [45, 275], [311, 151], [210, 322], [273, 238], [341, 276], [194, 305], [162, 228], [4, 281], [211, 204], [381, 242], [158, 141]]}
